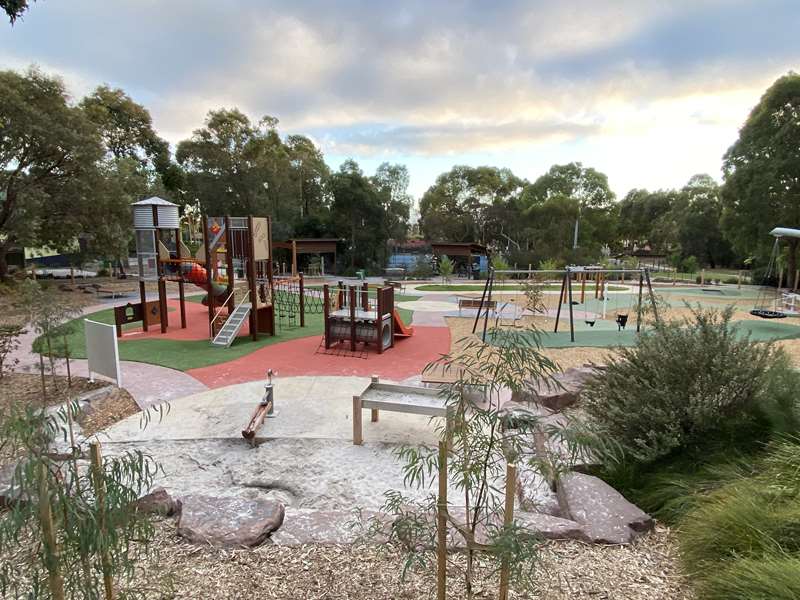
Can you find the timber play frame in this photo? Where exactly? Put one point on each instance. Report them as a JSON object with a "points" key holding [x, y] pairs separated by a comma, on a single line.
{"points": [[396, 398]]}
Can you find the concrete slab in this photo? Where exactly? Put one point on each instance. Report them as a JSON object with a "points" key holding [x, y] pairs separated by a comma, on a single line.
{"points": [[318, 407]]}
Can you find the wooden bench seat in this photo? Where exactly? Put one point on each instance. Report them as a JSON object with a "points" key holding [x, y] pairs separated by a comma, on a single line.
{"points": [[475, 303]]}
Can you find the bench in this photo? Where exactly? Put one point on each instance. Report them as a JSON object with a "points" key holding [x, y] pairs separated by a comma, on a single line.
{"points": [[396, 398], [475, 303], [398, 285]]}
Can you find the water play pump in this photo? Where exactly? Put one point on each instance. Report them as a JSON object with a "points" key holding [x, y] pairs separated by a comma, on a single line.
{"points": [[265, 408]]}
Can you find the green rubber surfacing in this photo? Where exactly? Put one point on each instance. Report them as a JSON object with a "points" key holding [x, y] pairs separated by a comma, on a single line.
{"points": [[760, 331]]}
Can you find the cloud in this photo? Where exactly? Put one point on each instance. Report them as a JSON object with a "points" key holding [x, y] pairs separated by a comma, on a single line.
{"points": [[420, 78]]}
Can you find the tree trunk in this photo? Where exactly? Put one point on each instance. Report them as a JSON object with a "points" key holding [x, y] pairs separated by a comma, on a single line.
{"points": [[3, 262]]}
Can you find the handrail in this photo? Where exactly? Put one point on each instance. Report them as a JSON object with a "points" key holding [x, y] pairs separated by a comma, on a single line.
{"points": [[222, 306]]}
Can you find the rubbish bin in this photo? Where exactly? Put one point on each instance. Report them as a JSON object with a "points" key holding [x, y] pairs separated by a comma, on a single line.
{"points": [[362, 275]]}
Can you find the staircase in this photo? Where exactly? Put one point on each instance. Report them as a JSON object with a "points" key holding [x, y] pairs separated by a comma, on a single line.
{"points": [[232, 325]]}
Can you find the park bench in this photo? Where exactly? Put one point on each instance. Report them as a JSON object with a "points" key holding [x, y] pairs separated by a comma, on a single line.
{"points": [[398, 285], [476, 303], [395, 398]]}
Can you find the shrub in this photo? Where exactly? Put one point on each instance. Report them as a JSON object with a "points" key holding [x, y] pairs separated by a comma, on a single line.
{"points": [[683, 384], [771, 578], [742, 540], [690, 264], [445, 268], [422, 268]]}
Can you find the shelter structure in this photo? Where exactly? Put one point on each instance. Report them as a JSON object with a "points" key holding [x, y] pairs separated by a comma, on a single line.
{"points": [[465, 255], [299, 246]]}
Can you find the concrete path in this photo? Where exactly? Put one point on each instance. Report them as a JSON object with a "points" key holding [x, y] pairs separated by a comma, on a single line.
{"points": [[148, 384]]}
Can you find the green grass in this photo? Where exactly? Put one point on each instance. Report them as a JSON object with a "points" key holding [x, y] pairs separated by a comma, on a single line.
{"points": [[500, 287], [183, 355]]}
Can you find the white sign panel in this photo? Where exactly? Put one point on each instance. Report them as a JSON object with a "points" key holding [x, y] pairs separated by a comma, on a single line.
{"points": [[102, 351]]}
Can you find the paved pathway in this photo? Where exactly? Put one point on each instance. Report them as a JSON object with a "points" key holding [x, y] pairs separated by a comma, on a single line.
{"points": [[148, 384]]}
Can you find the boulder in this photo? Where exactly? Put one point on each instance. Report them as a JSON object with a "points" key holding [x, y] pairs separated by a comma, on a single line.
{"points": [[326, 527], [550, 527], [533, 491], [7, 493], [604, 514], [228, 521], [559, 391], [158, 502]]}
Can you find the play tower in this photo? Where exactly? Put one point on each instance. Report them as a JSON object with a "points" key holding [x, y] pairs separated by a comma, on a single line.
{"points": [[233, 265]]}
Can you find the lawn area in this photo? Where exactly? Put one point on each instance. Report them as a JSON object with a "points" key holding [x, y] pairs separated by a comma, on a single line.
{"points": [[183, 355], [498, 287]]}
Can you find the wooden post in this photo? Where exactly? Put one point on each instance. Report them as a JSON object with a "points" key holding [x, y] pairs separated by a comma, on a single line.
{"points": [[596, 286], [49, 540], [358, 438], [639, 305], [181, 296], [251, 279], [739, 281], [796, 280], [71, 275], [143, 298], [352, 299], [229, 264], [294, 258], [302, 301], [441, 526], [583, 287], [702, 276], [508, 518], [209, 275], [651, 294], [379, 308], [162, 286], [326, 299], [365, 296], [100, 494]]}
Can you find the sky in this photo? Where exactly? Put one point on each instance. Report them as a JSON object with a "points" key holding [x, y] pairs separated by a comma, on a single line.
{"points": [[649, 92]]}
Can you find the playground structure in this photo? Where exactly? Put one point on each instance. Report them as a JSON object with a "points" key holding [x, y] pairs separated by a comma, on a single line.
{"points": [[596, 279], [293, 300], [234, 248], [783, 304], [351, 318]]}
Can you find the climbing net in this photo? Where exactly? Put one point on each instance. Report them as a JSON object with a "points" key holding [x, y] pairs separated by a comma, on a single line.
{"points": [[286, 299]]}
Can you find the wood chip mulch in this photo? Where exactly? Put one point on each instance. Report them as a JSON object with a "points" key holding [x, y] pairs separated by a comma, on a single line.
{"points": [[645, 570]]}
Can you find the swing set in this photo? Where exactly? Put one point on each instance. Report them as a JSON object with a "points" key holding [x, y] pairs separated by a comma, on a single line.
{"points": [[781, 305], [574, 282]]}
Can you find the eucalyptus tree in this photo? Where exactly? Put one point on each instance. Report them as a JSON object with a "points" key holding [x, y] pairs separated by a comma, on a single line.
{"points": [[762, 173]]}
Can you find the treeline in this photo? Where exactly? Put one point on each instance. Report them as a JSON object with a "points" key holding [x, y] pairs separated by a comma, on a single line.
{"points": [[69, 171], [570, 214]]}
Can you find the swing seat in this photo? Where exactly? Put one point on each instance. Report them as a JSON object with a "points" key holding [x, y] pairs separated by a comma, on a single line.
{"points": [[763, 313], [590, 323], [622, 321]]}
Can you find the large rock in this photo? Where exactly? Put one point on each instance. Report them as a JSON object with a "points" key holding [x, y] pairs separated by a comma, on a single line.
{"points": [[311, 526], [604, 514], [550, 527], [228, 521], [8, 495], [158, 502], [559, 391]]}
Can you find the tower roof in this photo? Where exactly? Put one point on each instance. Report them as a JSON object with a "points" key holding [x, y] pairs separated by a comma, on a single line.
{"points": [[154, 201]]}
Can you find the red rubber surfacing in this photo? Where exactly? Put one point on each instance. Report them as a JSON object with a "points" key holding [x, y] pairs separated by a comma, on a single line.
{"points": [[298, 357]]}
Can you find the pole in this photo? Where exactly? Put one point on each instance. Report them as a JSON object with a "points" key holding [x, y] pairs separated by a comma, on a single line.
{"points": [[560, 297], [229, 264], [583, 287], [353, 300], [302, 301], [639, 305], [508, 518], [489, 276], [210, 268], [441, 526], [181, 296], [143, 299], [486, 314], [605, 298], [651, 294], [571, 320]]}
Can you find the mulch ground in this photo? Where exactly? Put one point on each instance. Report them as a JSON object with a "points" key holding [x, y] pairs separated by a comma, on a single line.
{"points": [[645, 570]]}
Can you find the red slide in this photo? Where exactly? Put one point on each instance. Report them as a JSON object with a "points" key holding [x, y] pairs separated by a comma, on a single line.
{"points": [[400, 328]]}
